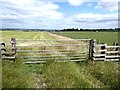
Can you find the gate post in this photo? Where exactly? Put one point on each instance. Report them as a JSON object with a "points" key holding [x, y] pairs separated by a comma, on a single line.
{"points": [[2, 49], [13, 43], [91, 48]]}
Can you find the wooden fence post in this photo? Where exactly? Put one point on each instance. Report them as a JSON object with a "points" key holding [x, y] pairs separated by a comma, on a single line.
{"points": [[3, 50], [103, 48], [116, 49], [91, 48], [13, 43]]}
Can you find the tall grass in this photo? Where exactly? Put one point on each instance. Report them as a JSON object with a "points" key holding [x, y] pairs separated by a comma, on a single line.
{"points": [[105, 72], [81, 75], [17, 75], [0, 74], [67, 75]]}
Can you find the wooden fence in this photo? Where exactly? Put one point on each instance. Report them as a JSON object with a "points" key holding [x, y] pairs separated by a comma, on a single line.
{"points": [[8, 52], [105, 52], [33, 51]]}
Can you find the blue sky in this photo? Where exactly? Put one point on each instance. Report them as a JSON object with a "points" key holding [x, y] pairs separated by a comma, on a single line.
{"points": [[59, 14], [87, 7]]}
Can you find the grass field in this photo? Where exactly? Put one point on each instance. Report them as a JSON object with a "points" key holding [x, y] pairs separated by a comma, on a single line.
{"points": [[89, 74], [101, 37]]}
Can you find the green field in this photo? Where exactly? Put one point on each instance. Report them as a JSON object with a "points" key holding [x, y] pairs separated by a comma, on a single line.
{"points": [[7, 35], [89, 74], [101, 37]]}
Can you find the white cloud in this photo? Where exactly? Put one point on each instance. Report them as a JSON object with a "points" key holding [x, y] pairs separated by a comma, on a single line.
{"points": [[30, 10], [91, 20], [110, 5], [18, 2], [95, 18], [75, 2]]}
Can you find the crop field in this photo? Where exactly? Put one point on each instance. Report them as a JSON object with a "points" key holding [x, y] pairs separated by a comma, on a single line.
{"points": [[86, 74]]}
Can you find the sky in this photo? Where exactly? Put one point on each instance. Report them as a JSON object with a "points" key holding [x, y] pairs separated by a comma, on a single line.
{"points": [[59, 14]]}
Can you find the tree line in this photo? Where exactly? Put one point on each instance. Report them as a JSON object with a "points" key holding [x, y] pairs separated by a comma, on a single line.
{"points": [[68, 29], [73, 29]]}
